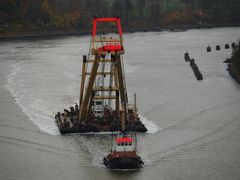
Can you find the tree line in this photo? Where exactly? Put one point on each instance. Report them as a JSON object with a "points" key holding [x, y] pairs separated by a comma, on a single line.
{"points": [[34, 15]]}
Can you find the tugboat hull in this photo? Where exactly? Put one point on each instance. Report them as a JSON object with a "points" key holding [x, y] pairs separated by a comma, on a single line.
{"points": [[123, 163]]}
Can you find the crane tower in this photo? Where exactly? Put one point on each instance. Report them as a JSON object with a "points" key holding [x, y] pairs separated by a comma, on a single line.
{"points": [[103, 103]]}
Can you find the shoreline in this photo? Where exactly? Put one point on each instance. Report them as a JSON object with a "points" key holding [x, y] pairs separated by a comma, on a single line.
{"points": [[234, 65], [233, 72], [52, 34]]}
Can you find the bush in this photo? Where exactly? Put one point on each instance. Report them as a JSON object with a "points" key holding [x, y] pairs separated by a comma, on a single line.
{"points": [[180, 17]]}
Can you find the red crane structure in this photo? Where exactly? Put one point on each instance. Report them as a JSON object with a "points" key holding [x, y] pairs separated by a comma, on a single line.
{"points": [[103, 103]]}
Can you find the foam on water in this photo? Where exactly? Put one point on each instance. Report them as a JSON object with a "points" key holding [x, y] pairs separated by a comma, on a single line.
{"points": [[151, 127], [33, 108]]}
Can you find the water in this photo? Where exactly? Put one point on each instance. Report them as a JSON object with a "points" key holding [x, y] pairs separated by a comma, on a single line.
{"points": [[43, 87], [194, 125]]}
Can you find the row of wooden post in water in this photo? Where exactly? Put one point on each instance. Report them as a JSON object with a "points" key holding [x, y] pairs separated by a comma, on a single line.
{"points": [[218, 47], [194, 66]]}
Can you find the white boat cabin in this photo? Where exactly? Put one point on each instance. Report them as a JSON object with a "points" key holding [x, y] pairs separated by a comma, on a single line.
{"points": [[124, 144], [98, 108]]}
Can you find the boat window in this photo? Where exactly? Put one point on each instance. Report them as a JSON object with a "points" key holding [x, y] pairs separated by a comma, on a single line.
{"points": [[122, 144], [98, 102]]}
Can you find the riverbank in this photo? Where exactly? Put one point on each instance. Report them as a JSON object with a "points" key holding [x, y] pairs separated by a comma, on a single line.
{"points": [[47, 34], [40, 34], [234, 65]]}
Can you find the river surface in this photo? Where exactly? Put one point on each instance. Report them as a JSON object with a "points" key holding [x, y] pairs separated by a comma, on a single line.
{"points": [[194, 126]]}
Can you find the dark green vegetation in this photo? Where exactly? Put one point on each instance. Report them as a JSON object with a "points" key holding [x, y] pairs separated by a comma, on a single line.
{"points": [[74, 15], [234, 65]]}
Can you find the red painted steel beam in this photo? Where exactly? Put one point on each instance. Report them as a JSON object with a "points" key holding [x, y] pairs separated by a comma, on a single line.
{"points": [[106, 19], [116, 20]]}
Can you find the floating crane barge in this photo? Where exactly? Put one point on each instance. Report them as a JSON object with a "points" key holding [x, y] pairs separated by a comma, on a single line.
{"points": [[103, 104]]}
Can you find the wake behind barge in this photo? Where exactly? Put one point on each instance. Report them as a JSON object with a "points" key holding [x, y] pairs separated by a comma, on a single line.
{"points": [[103, 104]]}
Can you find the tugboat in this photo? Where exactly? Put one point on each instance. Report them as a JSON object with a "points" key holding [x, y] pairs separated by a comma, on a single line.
{"points": [[103, 102], [123, 153]]}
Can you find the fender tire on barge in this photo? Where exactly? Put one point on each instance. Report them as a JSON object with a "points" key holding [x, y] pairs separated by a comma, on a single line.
{"points": [[124, 163]]}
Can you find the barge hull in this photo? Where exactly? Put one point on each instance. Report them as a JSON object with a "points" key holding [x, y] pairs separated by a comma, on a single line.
{"points": [[86, 129]]}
